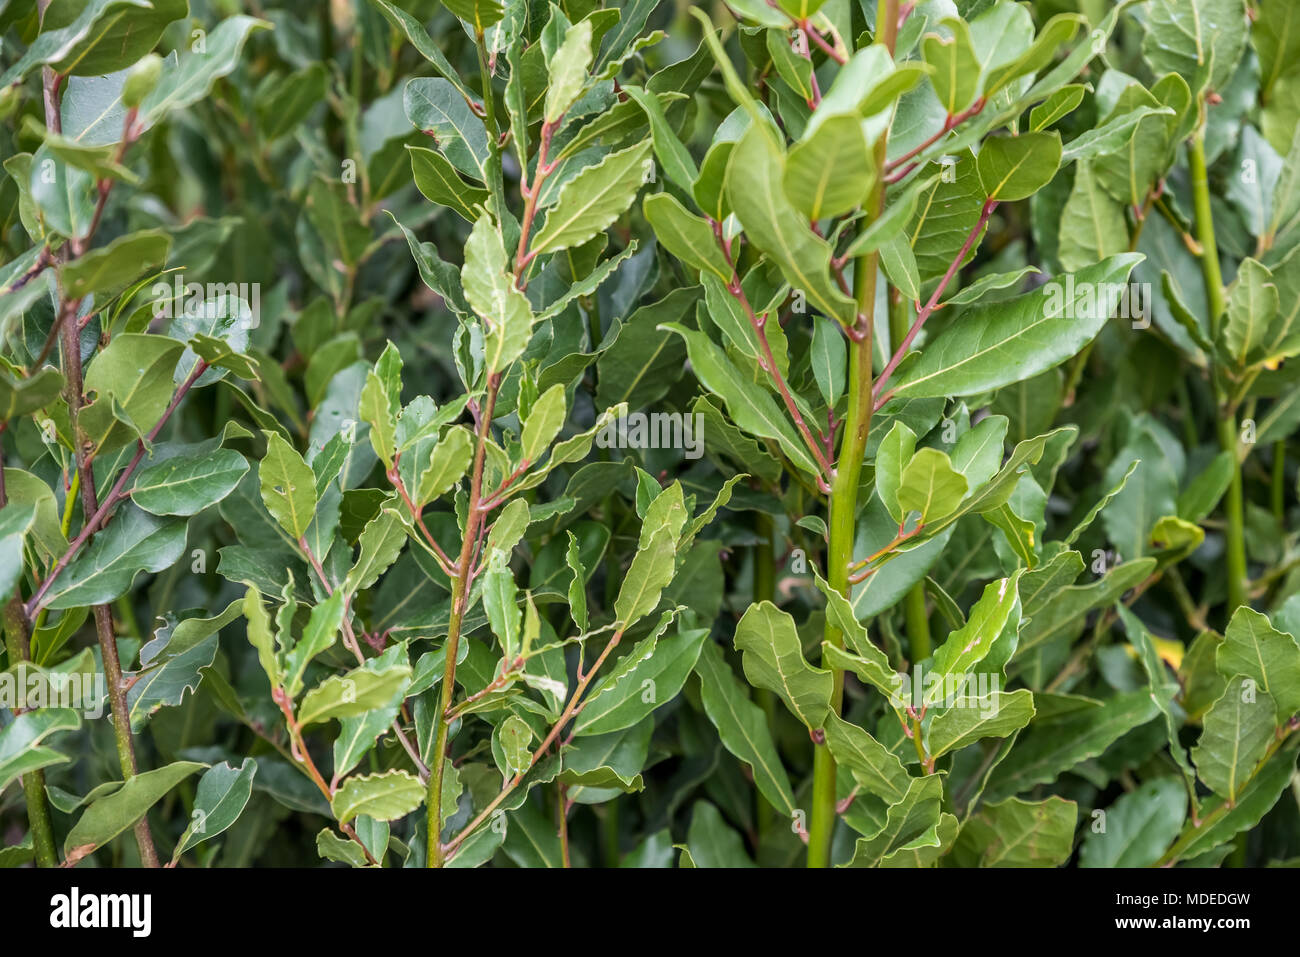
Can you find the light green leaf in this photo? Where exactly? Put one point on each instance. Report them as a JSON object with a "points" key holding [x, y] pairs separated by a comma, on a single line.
{"points": [[222, 794], [1254, 648], [756, 192], [1237, 730], [772, 657], [491, 291], [591, 201], [288, 486], [358, 691], [384, 797]]}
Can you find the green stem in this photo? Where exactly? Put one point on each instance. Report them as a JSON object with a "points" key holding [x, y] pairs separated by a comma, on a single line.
{"points": [[848, 471], [459, 600], [496, 180], [1278, 487], [38, 811], [918, 622], [1235, 513], [1212, 275], [609, 833], [765, 590]]}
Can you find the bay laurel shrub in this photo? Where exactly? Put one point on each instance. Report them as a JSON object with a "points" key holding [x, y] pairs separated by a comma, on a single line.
{"points": [[552, 434]]}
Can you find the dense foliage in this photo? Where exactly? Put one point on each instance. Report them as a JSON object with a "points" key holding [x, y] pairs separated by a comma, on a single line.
{"points": [[545, 433]]}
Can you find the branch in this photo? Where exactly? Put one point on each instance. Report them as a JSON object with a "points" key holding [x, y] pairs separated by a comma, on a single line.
{"points": [[737, 292], [927, 310], [459, 602], [571, 710], [950, 123], [99, 516]]}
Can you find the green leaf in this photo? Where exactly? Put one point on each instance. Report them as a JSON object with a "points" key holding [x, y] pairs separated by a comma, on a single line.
{"points": [[132, 377], [109, 816], [591, 201], [1237, 730], [78, 40], [21, 751], [436, 107], [1254, 648], [491, 291], [829, 359], [543, 423], [63, 196], [756, 174], [172, 663], [1160, 681], [712, 843], [1138, 827], [192, 76], [568, 70], [955, 66], [654, 563], [438, 180], [603, 765], [111, 268], [133, 542], [1201, 40], [685, 235], [288, 486], [1057, 106], [448, 462], [874, 767], [340, 850], [19, 397], [415, 32], [772, 657], [892, 457], [380, 542], [752, 408], [222, 794], [1016, 167], [187, 484], [832, 170], [1016, 833], [513, 739], [319, 635], [996, 344], [997, 610], [260, 636], [286, 103], [358, 691], [383, 797], [1252, 304], [479, 14], [1055, 743], [968, 720], [1253, 803], [627, 695], [676, 159], [16, 519], [930, 486], [909, 818], [742, 727]]}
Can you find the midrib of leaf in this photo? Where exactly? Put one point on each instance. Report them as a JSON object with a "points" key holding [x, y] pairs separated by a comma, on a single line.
{"points": [[112, 22], [581, 210], [1019, 333], [478, 161]]}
